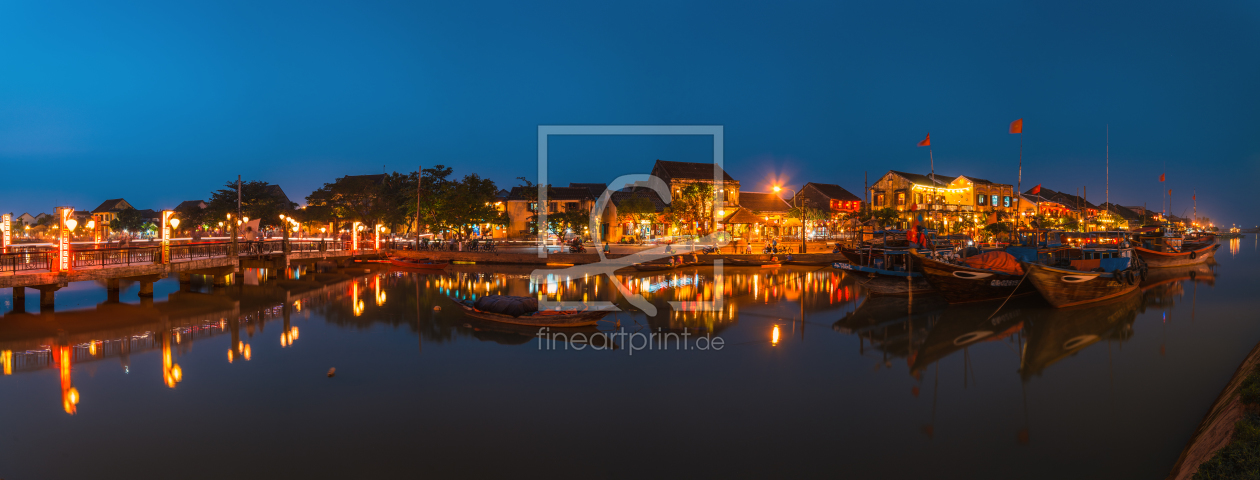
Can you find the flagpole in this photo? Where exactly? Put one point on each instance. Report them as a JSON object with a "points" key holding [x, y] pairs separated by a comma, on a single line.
{"points": [[1019, 188], [932, 160], [1108, 193]]}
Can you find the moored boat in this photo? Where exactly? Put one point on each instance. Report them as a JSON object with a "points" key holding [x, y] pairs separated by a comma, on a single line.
{"points": [[418, 264], [1162, 246], [989, 276], [537, 318], [1066, 287], [882, 282]]}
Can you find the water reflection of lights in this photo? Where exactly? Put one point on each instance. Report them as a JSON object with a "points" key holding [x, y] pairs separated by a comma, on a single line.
{"points": [[774, 336], [6, 357], [1234, 245], [171, 372], [287, 338], [69, 394]]}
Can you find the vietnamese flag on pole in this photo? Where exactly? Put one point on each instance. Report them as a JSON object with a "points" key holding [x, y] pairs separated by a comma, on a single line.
{"points": [[1035, 190], [1017, 126], [927, 141], [1161, 177]]}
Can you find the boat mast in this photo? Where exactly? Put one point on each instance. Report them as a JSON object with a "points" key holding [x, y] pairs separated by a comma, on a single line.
{"points": [[1107, 196]]}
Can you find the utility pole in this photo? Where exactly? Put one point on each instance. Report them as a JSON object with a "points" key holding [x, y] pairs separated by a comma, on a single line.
{"points": [[419, 184]]}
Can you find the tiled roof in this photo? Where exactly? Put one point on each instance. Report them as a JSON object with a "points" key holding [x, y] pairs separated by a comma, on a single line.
{"points": [[556, 193], [112, 205], [187, 204], [688, 170], [763, 202], [834, 192], [622, 195], [742, 217], [596, 189], [941, 179]]}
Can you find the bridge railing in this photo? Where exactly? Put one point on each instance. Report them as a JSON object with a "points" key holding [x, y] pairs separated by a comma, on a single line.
{"points": [[193, 251], [23, 261], [105, 257]]}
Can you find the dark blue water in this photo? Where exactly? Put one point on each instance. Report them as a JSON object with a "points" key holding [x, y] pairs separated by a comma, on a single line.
{"points": [[858, 388]]}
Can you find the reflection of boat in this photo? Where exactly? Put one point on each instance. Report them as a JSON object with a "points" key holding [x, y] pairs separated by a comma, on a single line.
{"points": [[512, 334], [1054, 334], [1065, 287], [962, 326], [653, 267], [1200, 272], [893, 325], [419, 264], [961, 283], [549, 318]]}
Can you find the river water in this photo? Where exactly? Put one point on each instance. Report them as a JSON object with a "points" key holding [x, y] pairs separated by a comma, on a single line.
{"points": [[811, 378]]}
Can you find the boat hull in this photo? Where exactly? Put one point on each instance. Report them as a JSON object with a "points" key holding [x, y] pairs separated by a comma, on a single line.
{"points": [[1156, 259], [580, 319], [419, 266], [888, 283], [1065, 288], [961, 284]]}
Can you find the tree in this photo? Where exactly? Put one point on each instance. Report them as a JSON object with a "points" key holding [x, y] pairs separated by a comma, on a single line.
{"points": [[259, 199], [192, 216], [470, 202], [694, 207], [128, 220], [886, 216], [808, 217], [636, 210]]}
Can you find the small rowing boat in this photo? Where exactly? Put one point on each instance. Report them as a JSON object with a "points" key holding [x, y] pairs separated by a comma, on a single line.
{"points": [[535, 318], [418, 264]]}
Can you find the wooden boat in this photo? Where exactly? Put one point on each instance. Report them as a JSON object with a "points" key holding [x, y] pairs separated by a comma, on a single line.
{"points": [[1161, 245], [555, 319], [1066, 287], [653, 267], [881, 282], [419, 264], [739, 262], [963, 284], [1199, 253]]}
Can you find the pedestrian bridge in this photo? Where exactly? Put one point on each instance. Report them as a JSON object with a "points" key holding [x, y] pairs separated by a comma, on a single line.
{"points": [[37, 266]]}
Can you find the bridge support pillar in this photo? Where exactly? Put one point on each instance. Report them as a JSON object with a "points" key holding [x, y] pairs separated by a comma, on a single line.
{"points": [[111, 290], [19, 299], [221, 280], [185, 277], [146, 289], [46, 296]]}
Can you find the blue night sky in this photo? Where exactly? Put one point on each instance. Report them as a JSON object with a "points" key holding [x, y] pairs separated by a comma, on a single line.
{"points": [[160, 102]]}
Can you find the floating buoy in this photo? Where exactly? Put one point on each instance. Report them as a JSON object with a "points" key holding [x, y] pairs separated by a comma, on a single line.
{"points": [[331, 372], [437, 308]]}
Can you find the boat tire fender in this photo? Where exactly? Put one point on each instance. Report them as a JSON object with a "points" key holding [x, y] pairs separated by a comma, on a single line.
{"points": [[1194, 255], [1128, 277]]}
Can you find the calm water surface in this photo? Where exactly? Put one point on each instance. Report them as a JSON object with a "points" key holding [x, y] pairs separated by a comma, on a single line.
{"points": [[813, 379]]}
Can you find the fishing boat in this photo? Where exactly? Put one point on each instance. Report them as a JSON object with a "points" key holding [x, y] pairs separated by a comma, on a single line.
{"points": [[1162, 246], [989, 276], [653, 267], [884, 282], [536, 318], [1093, 277], [740, 262], [422, 264]]}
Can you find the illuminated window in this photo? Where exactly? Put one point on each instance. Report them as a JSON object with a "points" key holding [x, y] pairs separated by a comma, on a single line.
{"points": [[879, 200], [994, 201], [533, 206], [571, 206], [1006, 201], [981, 200]]}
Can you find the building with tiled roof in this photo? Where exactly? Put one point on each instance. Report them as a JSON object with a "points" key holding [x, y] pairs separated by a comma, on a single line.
{"points": [[827, 197]]}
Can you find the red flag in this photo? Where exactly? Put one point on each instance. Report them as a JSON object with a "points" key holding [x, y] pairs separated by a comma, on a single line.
{"points": [[1035, 190], [1161, 177], [1017, 126], [1170, 192], [927, 141], [1194, 197]]}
